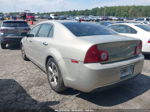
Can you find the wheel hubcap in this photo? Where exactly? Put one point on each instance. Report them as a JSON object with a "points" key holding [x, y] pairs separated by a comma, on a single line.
{"points": [[53, 74]]}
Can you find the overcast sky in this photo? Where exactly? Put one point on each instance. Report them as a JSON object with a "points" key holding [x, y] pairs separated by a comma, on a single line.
{"points": [[62, 5]]}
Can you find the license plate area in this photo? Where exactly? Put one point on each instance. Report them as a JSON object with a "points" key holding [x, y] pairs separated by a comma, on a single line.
{"points": [[126, 71]]}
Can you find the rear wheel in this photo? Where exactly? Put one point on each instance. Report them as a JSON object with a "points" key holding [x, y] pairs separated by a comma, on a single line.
{"points": [[3, 46], [54, 76], [23, 53]]}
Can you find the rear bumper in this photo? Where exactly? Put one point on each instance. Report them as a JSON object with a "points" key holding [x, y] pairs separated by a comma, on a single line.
{"points": [[11, 40], [88, 77], [106, 87], [146, 48]]}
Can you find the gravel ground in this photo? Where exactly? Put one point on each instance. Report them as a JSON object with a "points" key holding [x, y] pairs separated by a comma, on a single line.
{"points": [[24, 86]]}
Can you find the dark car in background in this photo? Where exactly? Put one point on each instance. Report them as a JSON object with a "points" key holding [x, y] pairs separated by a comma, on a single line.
{"points": [[11, 32], [1, 17]]}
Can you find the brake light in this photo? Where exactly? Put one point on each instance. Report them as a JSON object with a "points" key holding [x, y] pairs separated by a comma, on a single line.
{"points": [[138, 48], [148, 41], [94, 55]]}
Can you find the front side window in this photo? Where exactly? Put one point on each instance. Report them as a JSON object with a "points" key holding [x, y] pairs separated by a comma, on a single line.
{"points": [[44, 30], [123, 29], [34, 30], [87, 29]]}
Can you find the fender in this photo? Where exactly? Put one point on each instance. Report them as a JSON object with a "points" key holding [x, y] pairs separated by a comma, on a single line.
{"points": [[52, 52]]}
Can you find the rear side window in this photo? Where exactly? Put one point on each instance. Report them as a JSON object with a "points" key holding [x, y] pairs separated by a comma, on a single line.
{"points": [[45, 30], [144, 27], [140, 19], [15, 24], [123, 29], [87, 29]]}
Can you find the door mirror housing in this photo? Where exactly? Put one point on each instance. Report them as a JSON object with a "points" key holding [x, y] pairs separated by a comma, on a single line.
{"points": [[24, 34], [30, 35]]}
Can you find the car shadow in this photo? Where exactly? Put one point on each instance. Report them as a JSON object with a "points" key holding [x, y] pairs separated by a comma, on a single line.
{"points": [[13, 97], [70, 91], [147, 56], [123, 93]]}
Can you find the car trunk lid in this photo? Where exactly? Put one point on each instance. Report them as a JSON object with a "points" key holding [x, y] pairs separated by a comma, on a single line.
{"points": [[118, 47], [119, 50]]}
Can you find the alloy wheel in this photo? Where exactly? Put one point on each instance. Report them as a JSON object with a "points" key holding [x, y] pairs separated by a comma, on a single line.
{"points": [[53, 74]]}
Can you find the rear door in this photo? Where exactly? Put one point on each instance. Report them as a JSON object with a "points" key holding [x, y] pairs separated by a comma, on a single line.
{"points": [[41, 43]]}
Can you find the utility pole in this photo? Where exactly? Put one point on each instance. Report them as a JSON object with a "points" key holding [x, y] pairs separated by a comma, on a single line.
{"points": [[104, 11]]}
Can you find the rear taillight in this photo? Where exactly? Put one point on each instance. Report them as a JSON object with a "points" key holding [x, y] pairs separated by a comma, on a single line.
{"points": [[148, 41], [103, 56], [138, 48], [94, 55]]}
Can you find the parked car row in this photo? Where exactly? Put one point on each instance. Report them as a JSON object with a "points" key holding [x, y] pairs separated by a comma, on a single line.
{"points": [[80, 18], [98, 18], [80, 55]]}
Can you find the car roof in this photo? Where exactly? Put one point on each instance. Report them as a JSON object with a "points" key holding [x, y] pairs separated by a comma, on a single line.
{"points": [[61, 21]]}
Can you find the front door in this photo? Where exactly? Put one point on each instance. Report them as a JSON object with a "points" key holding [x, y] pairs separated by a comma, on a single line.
{"points": [[41, 43]]}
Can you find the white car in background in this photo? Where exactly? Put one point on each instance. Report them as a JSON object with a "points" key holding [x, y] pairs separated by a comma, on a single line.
{"points": [[136, 30], [54, 16]]}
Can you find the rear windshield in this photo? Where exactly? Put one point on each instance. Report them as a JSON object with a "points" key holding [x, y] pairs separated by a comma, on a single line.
{"points": [[15, 24], [144, 27], [87, 29]]}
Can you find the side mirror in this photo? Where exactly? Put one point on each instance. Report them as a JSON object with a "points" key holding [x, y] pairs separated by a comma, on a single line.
{"points": [[30, 35]]}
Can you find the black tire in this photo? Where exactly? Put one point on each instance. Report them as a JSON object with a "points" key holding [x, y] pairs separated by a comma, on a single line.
{"points": [[24, 57], [3, 46], [59, 86]]}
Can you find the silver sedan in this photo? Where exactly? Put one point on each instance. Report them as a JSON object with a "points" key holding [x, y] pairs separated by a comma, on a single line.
{"points": [[81, 55]]}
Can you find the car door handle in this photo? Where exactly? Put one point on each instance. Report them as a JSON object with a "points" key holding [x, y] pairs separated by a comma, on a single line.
{"points": [[45, 43]]}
